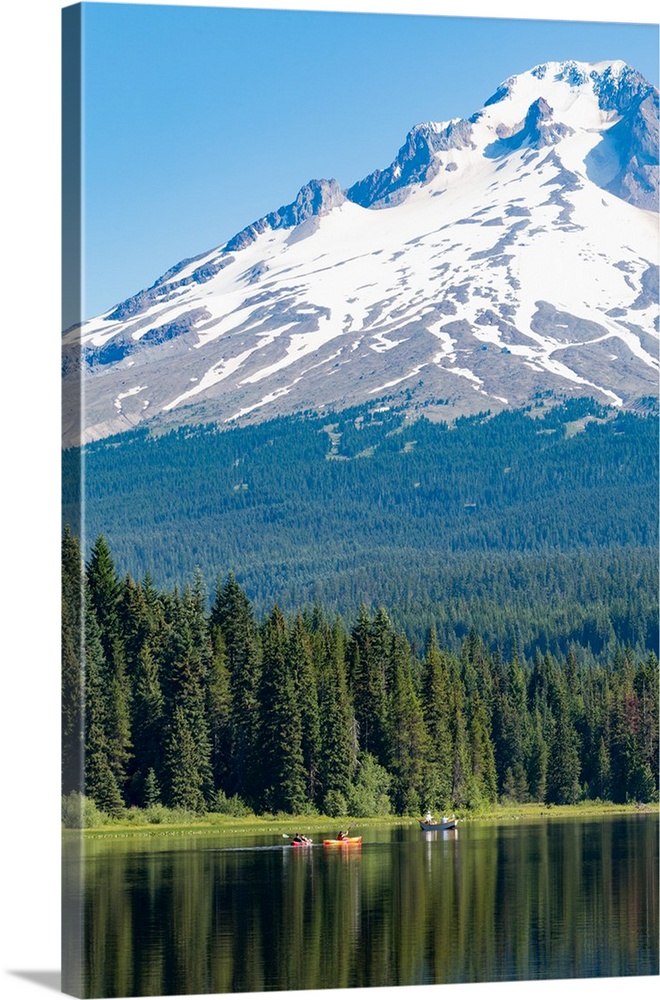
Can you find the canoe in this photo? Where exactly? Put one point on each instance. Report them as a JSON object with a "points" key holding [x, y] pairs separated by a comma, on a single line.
{"points": [[449, 824], [345, 842], [301, 843]]}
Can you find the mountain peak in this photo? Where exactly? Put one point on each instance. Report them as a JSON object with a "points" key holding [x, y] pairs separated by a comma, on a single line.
{"points": [[496, 258], [614, 83]]}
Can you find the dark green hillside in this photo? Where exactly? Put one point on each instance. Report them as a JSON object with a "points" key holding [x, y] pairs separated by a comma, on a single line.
{"points": [[540, 526]]}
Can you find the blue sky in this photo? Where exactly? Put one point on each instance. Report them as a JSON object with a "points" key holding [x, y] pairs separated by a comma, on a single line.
{"points": [[199, 120]]}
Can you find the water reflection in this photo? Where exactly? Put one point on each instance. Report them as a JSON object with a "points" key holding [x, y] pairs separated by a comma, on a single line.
{"points": [[547, 900]]}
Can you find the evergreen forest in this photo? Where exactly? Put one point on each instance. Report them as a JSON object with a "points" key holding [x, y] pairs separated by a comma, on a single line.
{"points": [[176, 697], [535, 529]]}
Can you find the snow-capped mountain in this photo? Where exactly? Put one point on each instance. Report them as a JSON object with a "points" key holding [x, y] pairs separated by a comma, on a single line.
{"points": [[497, 257]]}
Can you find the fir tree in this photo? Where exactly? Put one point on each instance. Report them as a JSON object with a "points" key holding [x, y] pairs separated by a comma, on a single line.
{"points": [[233, 615], [602, 779], [100, 780], [219, 711], [564, 757], [484, 775], [184, 780], [368, 686], [299, 657], [151, 789], [407, 737], [283, 766], [104, 592], [184, 684], [338, 758], [148, 724], [461, 763], [436, 705], [538, 768]]}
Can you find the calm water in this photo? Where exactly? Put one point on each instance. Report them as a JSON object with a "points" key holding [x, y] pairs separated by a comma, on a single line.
{"points": [[546, 900]]}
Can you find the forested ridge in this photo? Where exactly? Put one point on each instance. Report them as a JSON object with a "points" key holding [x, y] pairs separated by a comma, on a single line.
{"points": [[537, 528], [197, 704]]}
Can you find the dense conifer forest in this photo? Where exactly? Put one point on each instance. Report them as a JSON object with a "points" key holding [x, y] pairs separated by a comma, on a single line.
{"points": [[192, 701], [531, 528]]}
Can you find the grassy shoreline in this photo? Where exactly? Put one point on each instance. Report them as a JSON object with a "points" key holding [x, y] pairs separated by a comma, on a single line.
{"points": [[281, 824]]}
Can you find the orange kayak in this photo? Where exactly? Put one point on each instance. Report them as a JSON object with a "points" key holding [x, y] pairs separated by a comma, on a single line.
{"points": [[344, 842]]}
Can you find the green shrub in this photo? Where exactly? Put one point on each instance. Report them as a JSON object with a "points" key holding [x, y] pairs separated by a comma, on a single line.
{"points": [[79, 812], [368, 796], [156, 814], [159, 814], [228, 805], [334, 804]]}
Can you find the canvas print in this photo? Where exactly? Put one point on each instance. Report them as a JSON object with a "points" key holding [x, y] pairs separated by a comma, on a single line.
{"points": [[360, 480]]}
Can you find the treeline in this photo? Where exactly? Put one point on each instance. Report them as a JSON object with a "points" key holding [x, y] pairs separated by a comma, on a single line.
{"points": [[166, 701], [590, 601], [547, 518], [292, 492]]}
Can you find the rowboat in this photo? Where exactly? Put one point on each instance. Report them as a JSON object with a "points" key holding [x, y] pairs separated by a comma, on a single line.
{"points": [[447, 824], [343, 842]]}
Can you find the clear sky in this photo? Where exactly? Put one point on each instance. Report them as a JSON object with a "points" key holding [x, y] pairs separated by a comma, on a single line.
{"points": [[199, 120]]}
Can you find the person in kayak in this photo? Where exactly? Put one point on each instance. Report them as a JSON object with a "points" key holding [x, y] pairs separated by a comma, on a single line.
{"points": [[342, 835], [299, 838]]}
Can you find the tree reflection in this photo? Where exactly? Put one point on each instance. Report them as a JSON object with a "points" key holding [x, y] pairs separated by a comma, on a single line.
{"points": [[548, 900]]}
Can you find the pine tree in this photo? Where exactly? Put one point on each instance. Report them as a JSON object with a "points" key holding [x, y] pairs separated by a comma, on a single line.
{"points": [[484, 776], [436, 703], [100, 780], [461, 762], [407, 738], [184, 780], [299, 657], [104, 592], [564, 757], [184, 684], [647, 687], [538, 769], [147, 723], [379, 679], [338, 758], [368, 688], [603, 777], [133, 623], [219, 711], [281, 735], [233, 615], [511, 729], [151, 789]]}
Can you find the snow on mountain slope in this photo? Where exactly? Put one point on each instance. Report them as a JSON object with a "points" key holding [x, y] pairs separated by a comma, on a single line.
{"points": [[497, 258]]}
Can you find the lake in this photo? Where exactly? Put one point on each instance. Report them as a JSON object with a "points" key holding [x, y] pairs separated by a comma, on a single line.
{"points": [[549, 899]]}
